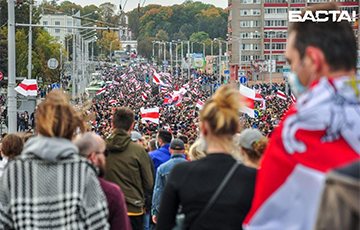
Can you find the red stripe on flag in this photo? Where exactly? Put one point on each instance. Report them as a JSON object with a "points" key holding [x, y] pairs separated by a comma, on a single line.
{"points": [[28, 87], [150, 115]]}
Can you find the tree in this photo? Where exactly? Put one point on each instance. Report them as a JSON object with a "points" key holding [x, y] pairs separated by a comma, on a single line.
{"points": [[179, 36], [199, 36], [68, 9], [91, 9], [109, 38], [187, 29], [162, 36], [107, 11], [145, 47]]}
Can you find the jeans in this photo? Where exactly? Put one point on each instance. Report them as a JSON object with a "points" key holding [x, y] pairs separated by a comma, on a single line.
{"points": [[147, 217], [22, 128]]}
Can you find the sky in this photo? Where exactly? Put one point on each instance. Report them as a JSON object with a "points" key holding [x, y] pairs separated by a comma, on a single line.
{"points": [[131, 4]]}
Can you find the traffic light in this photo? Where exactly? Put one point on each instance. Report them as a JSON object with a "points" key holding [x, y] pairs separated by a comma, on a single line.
{"points": [[214, 67]]}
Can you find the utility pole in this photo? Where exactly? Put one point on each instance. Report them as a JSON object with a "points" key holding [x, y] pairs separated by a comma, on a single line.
{"points": [[171, 60], [212, 48], [181, 64], [164, 56], [220, 51], [11, 68], [30, 42], [271, 59], [188, 50], [74, 62]]}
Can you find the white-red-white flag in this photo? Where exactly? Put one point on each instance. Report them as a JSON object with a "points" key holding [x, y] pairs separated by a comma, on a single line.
{"points": [[132, 80], [101, 91], [151, 114], [156, 78], [187, 85], [269, 97], [249, 98], [28, 87], [199, 104], [144, 96], [131, 70], [116, 83], [293, 98], [121, 95], [137, 86], [123, 76], [194, 91], [147, 85], [112, 102], [281, 95], [163, 89]]}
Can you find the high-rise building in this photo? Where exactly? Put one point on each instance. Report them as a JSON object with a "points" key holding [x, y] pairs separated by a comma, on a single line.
{"points": [[260, 27]]}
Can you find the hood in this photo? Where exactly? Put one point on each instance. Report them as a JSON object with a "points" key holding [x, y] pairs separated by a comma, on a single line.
{"points": [[50, 148], [118, 141]]}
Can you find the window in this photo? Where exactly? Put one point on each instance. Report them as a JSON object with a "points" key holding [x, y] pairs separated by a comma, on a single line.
{"points": [[45, 23], [250, 1], [57, 23], [276, 23], [297, 1], [277, 34], [256, 57], [256, 46], [277, 58], [256, 12], [296, 9], [256, 24], [245, 23], [69, 24], [245, 58], [275, 1], [275, 46], [281, 10], [245, 12], [246, 46], [57, 31], [270, 10]]}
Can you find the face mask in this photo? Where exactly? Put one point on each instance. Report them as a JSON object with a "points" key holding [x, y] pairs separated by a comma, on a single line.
{"points": [[203, 143], [296, 87]]}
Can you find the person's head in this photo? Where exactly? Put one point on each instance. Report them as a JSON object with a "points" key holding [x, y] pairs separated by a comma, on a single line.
{"points": [[152, 144], [25, 136], [196, 152], [320, 49], [177, 146], [163, 137], [56, 117], [136, 137], [11, 146], [92, 147], [219, 118], [123, 118], [252, 145]]}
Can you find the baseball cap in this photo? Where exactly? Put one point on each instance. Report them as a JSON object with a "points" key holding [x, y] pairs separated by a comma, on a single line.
{"points": [[177, 144], [248, 137], [135, 136]]}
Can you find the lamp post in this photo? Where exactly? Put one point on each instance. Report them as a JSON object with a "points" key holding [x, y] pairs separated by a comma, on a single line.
{"points": [[220, 51], [110, 48], [182, 56], [212, 48], [188, 50], [30, 42]]}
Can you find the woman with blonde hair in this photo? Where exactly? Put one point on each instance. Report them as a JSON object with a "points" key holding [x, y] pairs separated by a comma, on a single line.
{"points": [[214, 192], [49, 182], [195, 152]]}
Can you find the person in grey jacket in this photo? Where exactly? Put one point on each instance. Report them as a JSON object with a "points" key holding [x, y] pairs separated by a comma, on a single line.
{"points": [[49, 186]]}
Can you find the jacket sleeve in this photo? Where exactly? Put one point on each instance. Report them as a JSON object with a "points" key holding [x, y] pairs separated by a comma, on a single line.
{"points": [[145, 170], [6, 221], [120, 220], [157, 193], [95, 209]]}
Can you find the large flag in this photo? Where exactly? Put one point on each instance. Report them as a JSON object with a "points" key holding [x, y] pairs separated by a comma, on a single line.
{"points": [[112, 102], [199, 104], [167, 100], [249, 96], [151, 114], [101, 91], [28, 87], [314, 137], [281, 95]]}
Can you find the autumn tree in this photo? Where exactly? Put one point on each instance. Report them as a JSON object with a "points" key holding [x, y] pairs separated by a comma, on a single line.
{"points": [[109, 38], [162, 36]]}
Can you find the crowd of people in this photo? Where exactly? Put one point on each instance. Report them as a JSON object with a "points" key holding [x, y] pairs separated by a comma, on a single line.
{"points": [[198, 163]]}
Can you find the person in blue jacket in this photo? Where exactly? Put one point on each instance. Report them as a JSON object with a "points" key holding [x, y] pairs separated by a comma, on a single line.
{"points": [[162, 153]]}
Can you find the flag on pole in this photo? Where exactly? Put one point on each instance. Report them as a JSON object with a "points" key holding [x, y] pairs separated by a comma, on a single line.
{"points": [[132, 80], [163, 89], [194, 91], [281, 95], [121, 95], [87, 93], [28, 87], [199, 104], [249, 98], [101, 91], [151, 114], [187, 85], [112, 102], [137, 86], [168, 100], [123, 76], [269, 97], [147, 85], [144, 96]]}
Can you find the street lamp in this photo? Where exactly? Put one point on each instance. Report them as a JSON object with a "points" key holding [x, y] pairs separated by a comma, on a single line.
{"points": [[220, 51], [239, 41]]}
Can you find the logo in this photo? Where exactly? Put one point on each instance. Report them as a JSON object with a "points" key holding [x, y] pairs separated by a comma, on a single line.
{"points": [[322, 16]]}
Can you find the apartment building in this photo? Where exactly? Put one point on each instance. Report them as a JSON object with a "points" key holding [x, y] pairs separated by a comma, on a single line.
{"points": [[260, 28], [59, 19]]}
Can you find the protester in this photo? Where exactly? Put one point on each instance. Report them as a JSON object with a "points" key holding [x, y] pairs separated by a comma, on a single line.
{"points": [[162, 154], [51, 177], [252, 145], [192, 184], [318, 134], [138, 139], [11, 146], [128, 165], [177, 151], [195, 152], [92, 147]]}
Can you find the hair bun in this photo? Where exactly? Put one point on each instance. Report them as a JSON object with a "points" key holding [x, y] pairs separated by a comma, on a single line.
{"points": [[227, 97]]}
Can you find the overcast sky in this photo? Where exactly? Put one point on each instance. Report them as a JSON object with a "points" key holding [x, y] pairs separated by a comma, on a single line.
{"points": [[131, 4]]}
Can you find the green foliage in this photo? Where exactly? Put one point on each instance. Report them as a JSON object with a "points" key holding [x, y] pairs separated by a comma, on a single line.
{"points": [[162, 36]]}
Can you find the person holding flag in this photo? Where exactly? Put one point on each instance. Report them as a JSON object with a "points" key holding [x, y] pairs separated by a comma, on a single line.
{"points": [[319, 134]]}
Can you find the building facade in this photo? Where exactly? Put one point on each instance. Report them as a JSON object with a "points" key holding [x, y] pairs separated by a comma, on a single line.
{"points": [[260, 27], [58, 19]]}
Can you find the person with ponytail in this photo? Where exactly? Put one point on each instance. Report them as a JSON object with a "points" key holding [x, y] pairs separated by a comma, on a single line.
{"points": [[252, 146], [192, 185]]}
